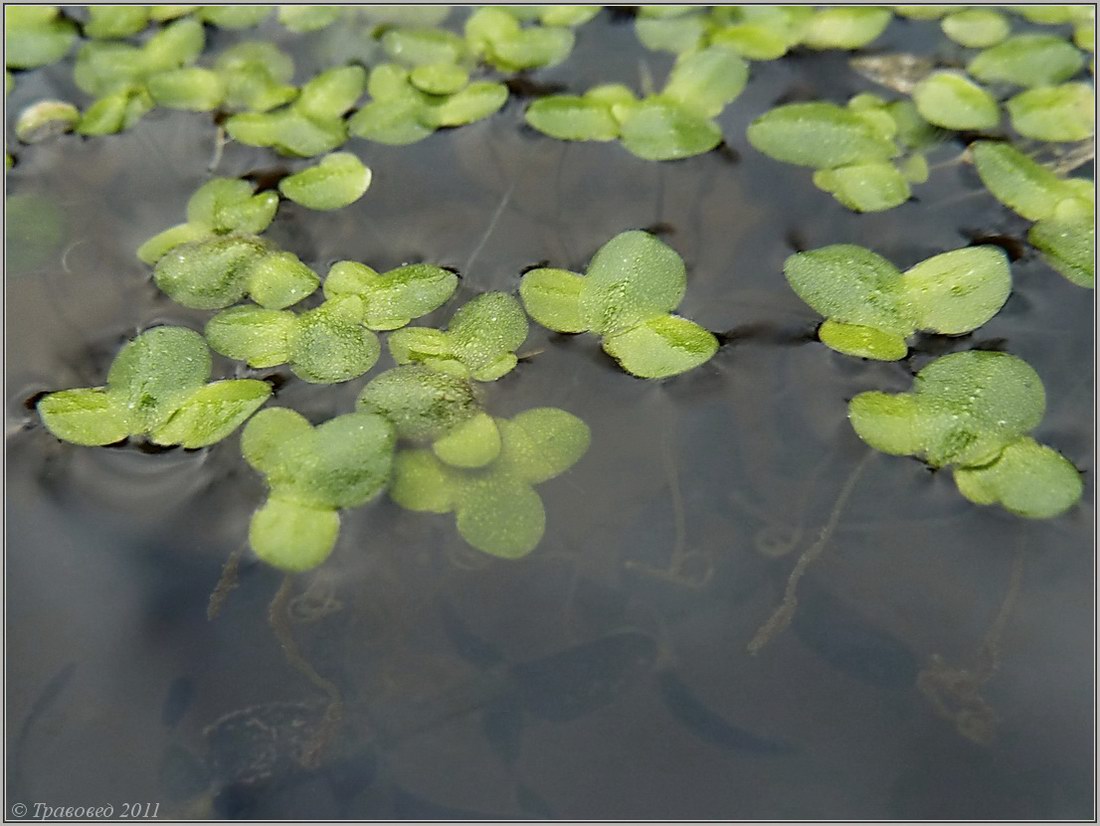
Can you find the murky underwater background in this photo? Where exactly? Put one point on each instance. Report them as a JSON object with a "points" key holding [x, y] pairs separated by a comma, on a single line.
{"points": [[606, 675]]}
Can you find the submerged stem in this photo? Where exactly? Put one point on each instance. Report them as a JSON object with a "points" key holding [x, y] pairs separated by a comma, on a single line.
{"points": [[226, 583], [279, 618], [783, 615]]}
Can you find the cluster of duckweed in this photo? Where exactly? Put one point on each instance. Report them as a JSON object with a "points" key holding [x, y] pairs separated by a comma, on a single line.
{"points": [[421, 431]]}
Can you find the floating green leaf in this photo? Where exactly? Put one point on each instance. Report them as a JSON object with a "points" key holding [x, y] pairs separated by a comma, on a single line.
{"points": [[672, 34], [846, 28], [403, 112], [252, 334], [1054, 113], [480, 341], [1017, 181], [1028, 60], [107, 22], [234, 17], [951, 100], [1067, 240], [302, 19], [1028, 479], [871, 307], [633, 283], [338, 180], [46, 119], [257, 77], [965, 408], [156, 386], [707, 81], [495, 34], [218, 207], [192, 88], [328, 346], [662, 346], [820, 135], [312, 473], [497, 511], [473, 443], [660, 130], [115, 112], [421, 403], [394, 298], [423, 46], [868, 187], [571, 118], [1063, 207], [35, 36], [976, 28]]}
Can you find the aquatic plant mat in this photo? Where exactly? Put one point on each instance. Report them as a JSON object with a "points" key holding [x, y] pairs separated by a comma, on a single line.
{"points": [[550, 413]]}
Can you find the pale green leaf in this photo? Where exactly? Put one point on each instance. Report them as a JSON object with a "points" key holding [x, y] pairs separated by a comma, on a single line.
{"points": [[425, 345], [542, 443], [660, 347], [208, 274], [421, 403], [1028, 479], [852, 285], [1028, 60], [662, 130], [958, 291], [309, 18], [1017, 181], [115, 112], [154, 249], [676, 34], [707, 81], [888, 423], [862, 342], [402, 294], [154, 373], [820, 135], [1054, 113], [868, 187], [342, 463], [1068, 241], [35, 39], [234, 17], [327, 347], [332, 93], [476, 101], [976, 28], [571, 118], [553, 299], [212, 412], [532, 48], [423, 46], [85, 416], [252, 334], [422, 483], [632, 278], [292, 536], [472, 444], [106, 22], [192, 89], [267, 433], [571, 16], [848, 27], [486, 329], [439, 78], [392, 122], [951, 100], [501, 516], [46, 119], [338, 180]]}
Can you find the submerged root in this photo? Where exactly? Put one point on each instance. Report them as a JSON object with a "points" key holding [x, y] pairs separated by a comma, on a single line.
{"points": [[956, 693], [783, 615], [279, 619], [226, 584]]}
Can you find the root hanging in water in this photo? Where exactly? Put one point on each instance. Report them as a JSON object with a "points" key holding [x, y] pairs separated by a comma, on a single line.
{"points": [[783, 615], [279, 619], [226, 584], [956, 693]]}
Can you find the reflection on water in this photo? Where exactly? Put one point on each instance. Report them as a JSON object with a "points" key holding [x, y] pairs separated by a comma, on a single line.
{"points": [[606, 674]]}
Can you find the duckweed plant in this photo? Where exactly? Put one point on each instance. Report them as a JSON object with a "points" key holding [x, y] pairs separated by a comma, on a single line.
{"points": [[421, 431]]}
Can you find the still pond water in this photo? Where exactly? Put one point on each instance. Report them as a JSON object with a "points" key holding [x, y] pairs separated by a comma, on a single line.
{"points": [[940, 663]]}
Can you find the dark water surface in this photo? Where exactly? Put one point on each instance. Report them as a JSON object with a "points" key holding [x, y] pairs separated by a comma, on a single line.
{"points": [[606, 675]]}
